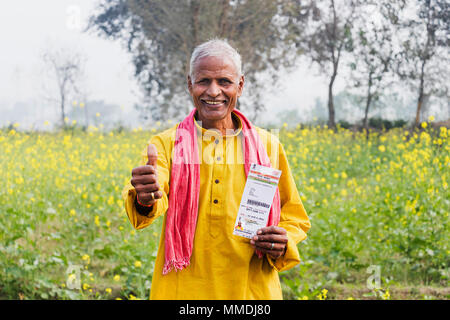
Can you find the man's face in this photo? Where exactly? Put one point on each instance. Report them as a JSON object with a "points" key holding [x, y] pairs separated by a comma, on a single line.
{"points": [[215, 88]]}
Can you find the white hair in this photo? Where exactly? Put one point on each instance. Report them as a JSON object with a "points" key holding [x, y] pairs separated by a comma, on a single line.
{"points": [[215, 48]]}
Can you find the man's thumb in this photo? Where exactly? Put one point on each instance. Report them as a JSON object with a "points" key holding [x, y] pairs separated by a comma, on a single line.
{"points": [[152, 155]]}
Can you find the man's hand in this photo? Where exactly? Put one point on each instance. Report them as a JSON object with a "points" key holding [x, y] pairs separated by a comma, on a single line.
{"points": [[267, 236], [145, 179]]}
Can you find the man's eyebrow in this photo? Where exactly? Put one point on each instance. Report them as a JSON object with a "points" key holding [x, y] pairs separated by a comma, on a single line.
{"points": [[229, 78]]}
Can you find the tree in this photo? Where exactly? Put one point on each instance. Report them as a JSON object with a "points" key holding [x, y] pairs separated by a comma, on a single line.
{"points": [[424, 38], [372, 55], [65, 68], [161, 34], [323, 30]]}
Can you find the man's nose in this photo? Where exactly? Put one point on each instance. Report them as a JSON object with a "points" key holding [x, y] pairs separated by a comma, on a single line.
{"points": [[213, 89]]}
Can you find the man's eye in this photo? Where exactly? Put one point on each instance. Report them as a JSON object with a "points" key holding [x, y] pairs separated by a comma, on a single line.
{"points": [[203, 81], [225, 81]]}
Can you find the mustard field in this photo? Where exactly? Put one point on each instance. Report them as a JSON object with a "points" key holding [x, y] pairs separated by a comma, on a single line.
{"points": [[378, 208]]}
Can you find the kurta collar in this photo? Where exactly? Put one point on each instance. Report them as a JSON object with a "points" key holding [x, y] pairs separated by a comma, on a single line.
{"points": [[237, 132]]}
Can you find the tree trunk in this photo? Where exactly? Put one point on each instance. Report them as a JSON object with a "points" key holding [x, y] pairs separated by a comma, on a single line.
{"points": [[366, 112], [335, 61], [419, 109], [368, 102], [421, 94], [86, 118], [63, 115], [331, 121]]}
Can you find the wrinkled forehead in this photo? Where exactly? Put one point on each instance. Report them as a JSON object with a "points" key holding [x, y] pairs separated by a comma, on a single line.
{"points": [[215, 66]]}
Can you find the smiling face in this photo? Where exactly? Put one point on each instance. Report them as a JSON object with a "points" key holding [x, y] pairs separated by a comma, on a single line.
{"points": [[215, 88]]}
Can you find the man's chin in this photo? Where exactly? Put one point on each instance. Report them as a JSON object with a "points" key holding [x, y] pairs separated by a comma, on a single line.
{"points": [[212, 114]]}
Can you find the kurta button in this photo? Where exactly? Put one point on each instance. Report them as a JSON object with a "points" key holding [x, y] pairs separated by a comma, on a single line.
{"points": [[216, 141], [217, 181], [216, 201], [219, 158]]}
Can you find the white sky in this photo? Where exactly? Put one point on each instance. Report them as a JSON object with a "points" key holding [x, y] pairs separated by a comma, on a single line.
{"points": [[27, 27]]}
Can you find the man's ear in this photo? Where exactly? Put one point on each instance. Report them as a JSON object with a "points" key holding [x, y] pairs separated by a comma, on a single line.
{"points": [[189, 83], [241, 85]]}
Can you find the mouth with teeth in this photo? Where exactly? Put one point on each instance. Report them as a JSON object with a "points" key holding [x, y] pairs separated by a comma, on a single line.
{"points": [[213, 103]]}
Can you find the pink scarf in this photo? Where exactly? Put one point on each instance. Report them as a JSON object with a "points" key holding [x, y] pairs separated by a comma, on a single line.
{"points": [[181, 217]]}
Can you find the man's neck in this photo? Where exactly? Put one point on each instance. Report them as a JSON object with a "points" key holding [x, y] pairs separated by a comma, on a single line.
{"points": [[223, 125]]}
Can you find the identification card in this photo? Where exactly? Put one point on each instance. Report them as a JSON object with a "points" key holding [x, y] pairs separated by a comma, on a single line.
{"points": [[256, 200]]}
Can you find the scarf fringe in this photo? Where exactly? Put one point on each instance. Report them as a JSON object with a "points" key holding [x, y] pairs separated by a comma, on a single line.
{"points": [[175, 264]]}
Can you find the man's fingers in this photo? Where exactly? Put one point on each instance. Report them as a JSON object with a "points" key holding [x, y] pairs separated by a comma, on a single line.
{"points": [[147, 188], [267, 246], [144, 179], [143, 170], [152, 154], [146, 197], [271, 230], [271, 238]]}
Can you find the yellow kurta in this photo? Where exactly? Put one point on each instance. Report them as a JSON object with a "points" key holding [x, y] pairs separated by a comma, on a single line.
{"points": [[223, 265]]}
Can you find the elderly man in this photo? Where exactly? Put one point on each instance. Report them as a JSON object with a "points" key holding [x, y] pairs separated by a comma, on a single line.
{"points": [[194, 175]]}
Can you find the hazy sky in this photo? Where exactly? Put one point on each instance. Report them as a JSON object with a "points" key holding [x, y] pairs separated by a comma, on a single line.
{"points": [[28, 27]]}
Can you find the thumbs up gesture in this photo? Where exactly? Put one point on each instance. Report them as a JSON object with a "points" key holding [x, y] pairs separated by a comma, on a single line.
{"points": [[145, 179]]}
